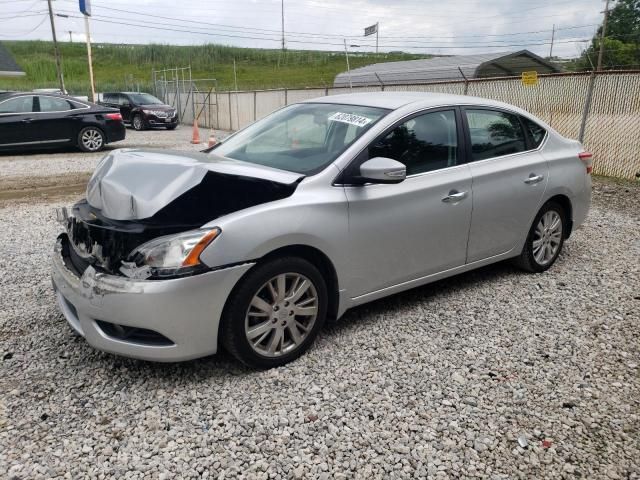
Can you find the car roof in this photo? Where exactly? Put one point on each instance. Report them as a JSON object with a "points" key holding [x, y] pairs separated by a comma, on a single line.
{"points": [[395, 100]]}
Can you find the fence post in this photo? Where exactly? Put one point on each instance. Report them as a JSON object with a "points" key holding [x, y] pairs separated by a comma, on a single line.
{"points": [[326, 91], [587, 106], [217, 110], [255, 105], [466, 81], [230, 114], [286, 97]]}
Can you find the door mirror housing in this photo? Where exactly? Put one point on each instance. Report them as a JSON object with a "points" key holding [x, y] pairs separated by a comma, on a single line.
{"points": [[382, 170]]}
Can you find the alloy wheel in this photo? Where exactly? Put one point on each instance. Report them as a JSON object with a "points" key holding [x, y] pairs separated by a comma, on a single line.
{"points": [[547, 237], [137, 122], [92, 139], [281, 314]]}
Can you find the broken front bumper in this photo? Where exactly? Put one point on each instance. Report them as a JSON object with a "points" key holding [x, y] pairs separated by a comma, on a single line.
{"points": [[159, 320]]}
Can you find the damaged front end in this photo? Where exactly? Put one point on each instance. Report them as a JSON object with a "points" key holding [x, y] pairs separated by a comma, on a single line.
{"points": [[186, 195]]}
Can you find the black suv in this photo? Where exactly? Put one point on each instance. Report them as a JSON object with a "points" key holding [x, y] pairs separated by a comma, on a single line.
{"points": [[142, 110]]}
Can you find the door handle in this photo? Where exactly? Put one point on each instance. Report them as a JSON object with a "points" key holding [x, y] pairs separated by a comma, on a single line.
{"points": [[454, 196], [27, 120], [533, 179]]}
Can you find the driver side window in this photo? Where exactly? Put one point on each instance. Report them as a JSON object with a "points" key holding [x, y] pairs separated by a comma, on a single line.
{"points": [[424, 143]]}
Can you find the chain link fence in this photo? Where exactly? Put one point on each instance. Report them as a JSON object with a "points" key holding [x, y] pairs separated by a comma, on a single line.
{"points": [[611, 114]]}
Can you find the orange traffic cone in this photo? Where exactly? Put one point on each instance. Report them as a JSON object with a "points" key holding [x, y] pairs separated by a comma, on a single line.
{"points": [[212, 138], [195, 138]]}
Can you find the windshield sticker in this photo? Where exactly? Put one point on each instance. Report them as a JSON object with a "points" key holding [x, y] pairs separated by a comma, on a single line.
{"points": [[357, 120]]}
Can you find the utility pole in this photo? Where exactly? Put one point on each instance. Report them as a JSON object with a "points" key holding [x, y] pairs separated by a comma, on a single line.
{"points": [[602, 36], [55, 48], [377, 30], [282, 10], [553, 35], [70, 37], [346, 54], [89, 57]]}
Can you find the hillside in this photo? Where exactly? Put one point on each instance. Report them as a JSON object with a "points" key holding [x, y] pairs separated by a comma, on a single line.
{"points": [[124, 67]]}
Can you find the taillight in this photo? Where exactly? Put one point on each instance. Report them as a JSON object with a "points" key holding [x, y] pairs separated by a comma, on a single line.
{"points": [[587, 159], [113, 116]]}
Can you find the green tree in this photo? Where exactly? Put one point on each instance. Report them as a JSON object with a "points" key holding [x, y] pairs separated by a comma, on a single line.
{"points": [[622, 40]]}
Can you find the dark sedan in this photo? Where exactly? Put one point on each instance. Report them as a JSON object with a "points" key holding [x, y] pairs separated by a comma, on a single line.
{"points": [[32, 120]]}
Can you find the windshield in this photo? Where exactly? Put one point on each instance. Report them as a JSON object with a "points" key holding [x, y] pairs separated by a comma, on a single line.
{"points": [[302, 138], [144, 99]]}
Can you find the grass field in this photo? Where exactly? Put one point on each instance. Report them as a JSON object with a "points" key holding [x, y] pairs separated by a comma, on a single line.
{"points": [[125, 67]]}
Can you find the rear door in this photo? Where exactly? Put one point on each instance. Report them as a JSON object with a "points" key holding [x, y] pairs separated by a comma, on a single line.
{"points": [[509, 179], [401, 232], [16, 115], [57, 120]]}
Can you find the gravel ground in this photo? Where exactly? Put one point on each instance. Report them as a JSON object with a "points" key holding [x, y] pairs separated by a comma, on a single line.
{"points": [[492, 374], [41, 170]]}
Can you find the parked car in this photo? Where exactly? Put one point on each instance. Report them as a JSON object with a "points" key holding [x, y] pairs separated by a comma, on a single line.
{"points": [[31, 120], [142, 110], [317, 208]]}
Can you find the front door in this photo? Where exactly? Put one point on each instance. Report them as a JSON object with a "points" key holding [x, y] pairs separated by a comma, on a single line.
{"points": [[509, 180], [16, 115], [419, 227]]}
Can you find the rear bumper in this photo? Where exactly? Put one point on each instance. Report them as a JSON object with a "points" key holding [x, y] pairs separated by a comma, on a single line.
{"points": [[115, 131], [185, 311]]}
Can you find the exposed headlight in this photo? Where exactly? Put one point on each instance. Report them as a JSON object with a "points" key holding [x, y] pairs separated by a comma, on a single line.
{"points": [[171, 255]]}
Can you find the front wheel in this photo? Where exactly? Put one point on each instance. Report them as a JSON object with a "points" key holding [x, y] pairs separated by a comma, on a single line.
{"points": [[171, 127], [275, 313], [91, 139], [545, 239], [138, 122]]}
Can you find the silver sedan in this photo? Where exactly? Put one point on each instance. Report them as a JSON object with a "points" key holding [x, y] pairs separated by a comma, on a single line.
{"points": [[317, 208]]}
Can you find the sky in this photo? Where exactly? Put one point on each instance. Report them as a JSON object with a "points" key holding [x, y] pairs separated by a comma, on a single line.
{"points": [[453, 27]]}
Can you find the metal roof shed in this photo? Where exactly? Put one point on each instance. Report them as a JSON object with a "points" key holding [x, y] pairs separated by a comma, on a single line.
{"points": [[8, 66], [442, 69]]}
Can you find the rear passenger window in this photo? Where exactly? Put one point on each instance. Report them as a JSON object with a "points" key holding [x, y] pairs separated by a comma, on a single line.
{"points": [[536, 132], [494, 134], [424, 143], [54, 104]]}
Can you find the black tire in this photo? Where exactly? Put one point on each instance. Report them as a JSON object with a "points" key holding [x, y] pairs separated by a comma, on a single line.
{"points": [[233, 335], [171, 127], [527, 260], [139, 125], [91, 139]]}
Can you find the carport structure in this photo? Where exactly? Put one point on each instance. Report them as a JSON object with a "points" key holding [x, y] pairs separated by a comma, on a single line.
{"points": [[8, 66], [441, 69]]}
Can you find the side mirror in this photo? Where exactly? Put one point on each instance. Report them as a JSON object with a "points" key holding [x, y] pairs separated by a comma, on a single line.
{"points": [[382, 170]]}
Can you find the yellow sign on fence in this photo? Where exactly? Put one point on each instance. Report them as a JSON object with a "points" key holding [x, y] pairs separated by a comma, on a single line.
{"points": [[530, 78]]}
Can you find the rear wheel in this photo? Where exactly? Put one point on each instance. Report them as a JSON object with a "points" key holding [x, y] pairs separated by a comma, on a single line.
{"points": [[138, 122], [545, 240], [275, 313], [91, 139]]}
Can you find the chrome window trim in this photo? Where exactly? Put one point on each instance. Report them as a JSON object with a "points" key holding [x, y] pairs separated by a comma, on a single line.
{"points": [[35, 143], [84, 105]]}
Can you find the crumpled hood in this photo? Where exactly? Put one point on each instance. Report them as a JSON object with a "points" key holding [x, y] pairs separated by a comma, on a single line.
{"points": [[136, 184]]}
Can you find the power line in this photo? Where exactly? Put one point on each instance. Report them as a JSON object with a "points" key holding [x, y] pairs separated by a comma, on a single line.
{"points": [[340, 36], [166, 27], [44, 18]]}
